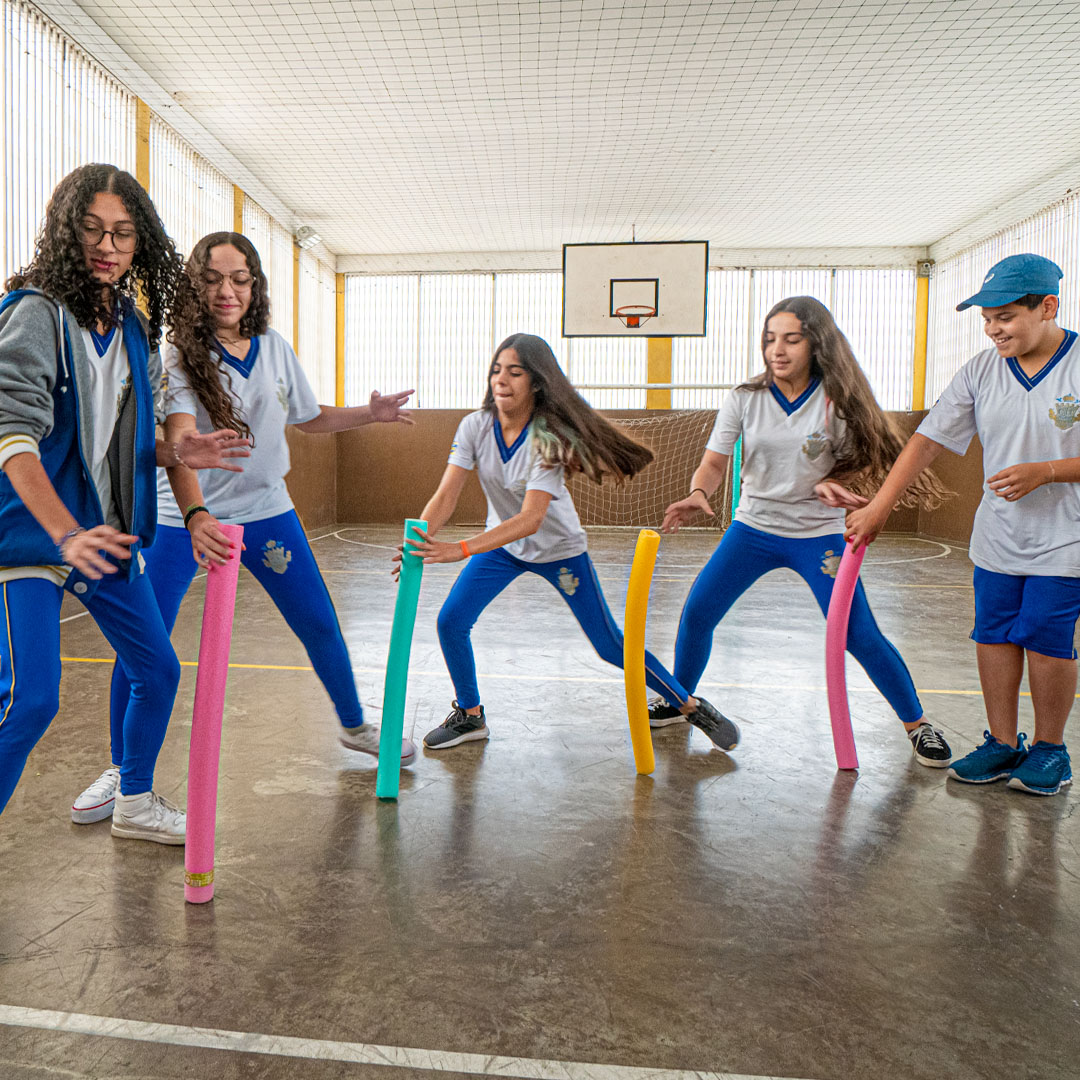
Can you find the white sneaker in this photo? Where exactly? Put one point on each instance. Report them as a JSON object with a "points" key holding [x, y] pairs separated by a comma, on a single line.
{"points": [[365, 738], [149, 817], [96, 802]]}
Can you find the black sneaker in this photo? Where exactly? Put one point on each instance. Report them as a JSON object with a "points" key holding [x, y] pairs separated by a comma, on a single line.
{"points": [[723, 732], [930, 747], [458, 727], [661, 714]]}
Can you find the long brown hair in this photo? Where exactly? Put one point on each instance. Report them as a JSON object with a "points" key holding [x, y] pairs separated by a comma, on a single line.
{"points": [[59, 265], [567, 430], [194, 329], [873, 441]]}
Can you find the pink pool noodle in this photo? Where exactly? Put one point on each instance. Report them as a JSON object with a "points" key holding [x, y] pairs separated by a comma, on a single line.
{"points": [[206, 722], [836, 628]]}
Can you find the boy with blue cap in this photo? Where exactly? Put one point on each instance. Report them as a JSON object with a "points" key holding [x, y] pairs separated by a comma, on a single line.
{"points": [[1022, 398]]}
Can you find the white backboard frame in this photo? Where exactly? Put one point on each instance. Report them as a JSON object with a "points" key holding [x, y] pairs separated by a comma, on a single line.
{"points": [[598, 278]]}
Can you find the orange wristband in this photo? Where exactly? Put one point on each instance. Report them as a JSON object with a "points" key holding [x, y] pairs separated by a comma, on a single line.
{"points": [[465, 548]]}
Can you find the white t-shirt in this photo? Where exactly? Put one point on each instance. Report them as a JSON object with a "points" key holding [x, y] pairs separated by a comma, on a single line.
{"points": [[1017, 420], [788, 447], [272, 391], [506, 473], [110, 375]]}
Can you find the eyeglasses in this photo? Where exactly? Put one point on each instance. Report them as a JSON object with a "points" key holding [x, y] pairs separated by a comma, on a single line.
{"points": [[240, 280], [124, 239]]}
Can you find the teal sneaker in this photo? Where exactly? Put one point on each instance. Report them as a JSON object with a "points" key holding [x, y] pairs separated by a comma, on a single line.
{"points": [[992, 761], [1045, 770]]}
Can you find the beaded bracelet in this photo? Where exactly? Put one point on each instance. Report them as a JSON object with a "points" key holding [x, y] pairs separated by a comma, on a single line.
{"points": [[65, 538]]}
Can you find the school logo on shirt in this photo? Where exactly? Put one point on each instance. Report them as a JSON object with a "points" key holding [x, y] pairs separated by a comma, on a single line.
{"points": [[567, 582], [815, 445], [276, 556], [1067, 412], [282, 396], [830, 563]]}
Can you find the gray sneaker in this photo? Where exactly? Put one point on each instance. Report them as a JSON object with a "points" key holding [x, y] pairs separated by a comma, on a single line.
{"points": [[457, 728], [723, 732], [661, 714], [365, 738]]}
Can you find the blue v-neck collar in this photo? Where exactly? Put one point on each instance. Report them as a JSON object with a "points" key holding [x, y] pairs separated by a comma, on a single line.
{"points": [[1030, 382], [505, 452], [243, 366], [792, 406], [103, 341]]}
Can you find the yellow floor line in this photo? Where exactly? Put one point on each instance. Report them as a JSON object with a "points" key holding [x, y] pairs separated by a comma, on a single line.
{"points": [[552, 678]]}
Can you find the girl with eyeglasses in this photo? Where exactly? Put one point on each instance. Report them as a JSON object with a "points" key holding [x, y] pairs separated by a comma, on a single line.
{"points": [[226, 367], [80, 381]]}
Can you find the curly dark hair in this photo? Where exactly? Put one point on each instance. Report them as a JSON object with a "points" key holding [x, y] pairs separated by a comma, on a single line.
{"points": [[567, 429], [194, 329], [873, 440], [59, 265]]}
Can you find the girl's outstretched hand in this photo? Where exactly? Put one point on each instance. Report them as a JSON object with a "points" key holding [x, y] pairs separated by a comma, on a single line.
{"points": [[684, 511], [388, 409], [863, 525], [1019, 480], [213, 450], [833, 494]]}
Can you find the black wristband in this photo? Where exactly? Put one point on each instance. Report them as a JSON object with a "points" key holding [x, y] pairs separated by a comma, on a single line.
{"points": [[703, 492], [192, 511]]}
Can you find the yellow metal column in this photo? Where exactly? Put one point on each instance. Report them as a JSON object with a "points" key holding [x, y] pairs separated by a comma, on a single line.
{"points": [[296, 298], [339, 396], [238, 209], [659, 370], [142, 143], [922, 319]]}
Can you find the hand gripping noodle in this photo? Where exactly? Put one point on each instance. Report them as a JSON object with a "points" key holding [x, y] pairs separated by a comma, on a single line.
{"points": [[637, 608], [836, 628], [397, 666], [206, 723]]}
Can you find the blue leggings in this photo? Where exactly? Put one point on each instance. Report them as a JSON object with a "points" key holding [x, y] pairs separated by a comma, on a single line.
{"points": [[744, 555], [487, 574], [30, 672], [279, 556]]}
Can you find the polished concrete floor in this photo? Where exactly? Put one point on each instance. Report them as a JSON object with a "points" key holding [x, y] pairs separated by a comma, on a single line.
{"points": [[759, 914]]}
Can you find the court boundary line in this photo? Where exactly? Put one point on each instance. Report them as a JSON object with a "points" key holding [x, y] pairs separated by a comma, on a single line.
{"points": [[502, 676], [291, 1046]]}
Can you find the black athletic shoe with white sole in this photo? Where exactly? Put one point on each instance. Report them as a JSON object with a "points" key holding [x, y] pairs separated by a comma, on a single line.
{"points": [[930, 747], [723, 732], [661, 714], [457, 728]]}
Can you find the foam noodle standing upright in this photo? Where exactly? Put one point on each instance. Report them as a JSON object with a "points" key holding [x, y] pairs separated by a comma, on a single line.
{"points": [[836, 629], [637, 608], [736, 475], [206, 722], [397, 666]]}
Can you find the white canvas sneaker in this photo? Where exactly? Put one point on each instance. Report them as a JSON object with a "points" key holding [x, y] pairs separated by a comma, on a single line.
{"points": [[96, 802], [366, 739], [149, 817]]}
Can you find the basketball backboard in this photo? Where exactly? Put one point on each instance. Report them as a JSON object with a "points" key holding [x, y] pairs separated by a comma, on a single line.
{"points": [[646, 289]]}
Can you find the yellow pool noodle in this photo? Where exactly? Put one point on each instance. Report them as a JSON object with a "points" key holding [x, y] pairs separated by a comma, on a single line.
{"points": [[637, 607]]}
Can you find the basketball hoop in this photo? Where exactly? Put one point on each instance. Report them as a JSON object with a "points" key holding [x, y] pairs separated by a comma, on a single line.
{"points": [[635, 315]]}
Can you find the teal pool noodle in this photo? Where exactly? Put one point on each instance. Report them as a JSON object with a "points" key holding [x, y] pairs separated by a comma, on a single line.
{"points": [[397, 667], [736, 474]]}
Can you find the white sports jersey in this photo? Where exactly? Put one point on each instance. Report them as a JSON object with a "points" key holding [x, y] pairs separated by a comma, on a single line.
{"points": [[788, 447], [1017, 420], [506, 473], [272, 391], [110, 375]]}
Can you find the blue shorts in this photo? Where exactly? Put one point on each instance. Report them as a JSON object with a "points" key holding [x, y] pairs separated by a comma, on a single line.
{"points": [[1036, 613]]}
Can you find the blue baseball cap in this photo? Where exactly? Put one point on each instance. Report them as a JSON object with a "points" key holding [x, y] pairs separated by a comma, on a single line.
{"points": [[1016, 276]]}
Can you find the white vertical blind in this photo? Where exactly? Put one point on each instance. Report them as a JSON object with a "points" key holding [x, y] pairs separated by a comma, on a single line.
{"points": [[60, 110], [275, 246], [382, 336], [191, 196], [318, 353], [455, 345], [954, 337]]}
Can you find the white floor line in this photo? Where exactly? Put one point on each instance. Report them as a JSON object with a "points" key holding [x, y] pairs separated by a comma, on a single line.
{"points": [[70, 617], [404, 1057]]}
